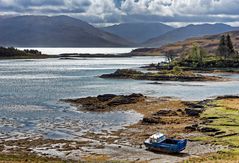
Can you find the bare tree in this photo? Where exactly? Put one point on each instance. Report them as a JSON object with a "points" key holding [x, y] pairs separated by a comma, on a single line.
{"points": [[170, 55]]}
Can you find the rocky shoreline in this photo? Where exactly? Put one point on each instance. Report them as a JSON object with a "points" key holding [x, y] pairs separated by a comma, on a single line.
{"points": [[105, 102], [160, 76], [175, 118], [201, 122]]}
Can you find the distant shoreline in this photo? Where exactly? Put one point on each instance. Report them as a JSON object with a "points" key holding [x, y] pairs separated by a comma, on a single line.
{"points": [[120, 55]]}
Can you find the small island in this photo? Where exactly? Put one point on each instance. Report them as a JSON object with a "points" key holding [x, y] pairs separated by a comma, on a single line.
{"points": [[188, 66], [166, 75], [13, 53], [197, 59]]}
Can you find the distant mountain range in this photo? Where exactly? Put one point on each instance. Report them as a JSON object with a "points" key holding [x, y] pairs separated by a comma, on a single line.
{"points": [[138, 32], [58, 31], [64, 31], [189, 31]]}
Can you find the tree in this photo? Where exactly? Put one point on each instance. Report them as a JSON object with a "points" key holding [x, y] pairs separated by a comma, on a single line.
{"points": [[170, 55], [229, 45], [222, 48], [197, 55]]}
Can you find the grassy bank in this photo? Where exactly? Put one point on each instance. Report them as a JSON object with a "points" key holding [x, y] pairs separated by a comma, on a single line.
{"points": [[222, 115]]}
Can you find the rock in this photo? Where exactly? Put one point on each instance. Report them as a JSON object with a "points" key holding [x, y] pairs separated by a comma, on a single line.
{"points": [[194, 111], [208, 129], [166, 112], [151, 120], [207, 121], [106, 97], [192, 127], [122, 74], [181, 111], [219, 133], [138, 75], [106, 101], [226, 97], [193, 105], [120, 100], [136, 95], [95, 107]]}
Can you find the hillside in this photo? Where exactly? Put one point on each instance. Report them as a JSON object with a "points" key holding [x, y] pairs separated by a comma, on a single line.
{"points": [[58, 31], [189, 31], [138, 32], [209, 42]]}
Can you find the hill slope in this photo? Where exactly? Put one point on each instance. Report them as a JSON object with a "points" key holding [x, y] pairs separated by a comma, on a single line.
{"points": [[189, 31], [138, 32], [209, 43], [59, 31]]}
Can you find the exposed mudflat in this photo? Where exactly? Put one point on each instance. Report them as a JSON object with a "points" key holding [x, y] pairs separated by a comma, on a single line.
{"points": [[127, 144]]}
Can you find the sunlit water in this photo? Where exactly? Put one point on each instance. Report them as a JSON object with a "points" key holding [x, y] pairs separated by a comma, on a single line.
{"points": [[30, 91], [56, 51]]}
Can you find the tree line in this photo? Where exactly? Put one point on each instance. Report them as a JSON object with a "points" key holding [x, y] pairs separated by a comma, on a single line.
{"points": [[226, 48], [224, 56], [11, 52]]}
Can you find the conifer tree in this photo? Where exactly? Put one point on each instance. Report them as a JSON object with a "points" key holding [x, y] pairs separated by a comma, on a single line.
{"points": [[229, 45], [222, 48]]}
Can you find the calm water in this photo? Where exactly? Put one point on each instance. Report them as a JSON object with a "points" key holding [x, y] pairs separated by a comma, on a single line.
{"points": [[56, 51], [31, 89]]}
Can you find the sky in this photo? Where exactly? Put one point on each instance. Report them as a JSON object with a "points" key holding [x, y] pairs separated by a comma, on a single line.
{"points": [[108, 12]]}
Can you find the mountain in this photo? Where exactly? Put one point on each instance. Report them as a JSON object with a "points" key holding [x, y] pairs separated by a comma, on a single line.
{"points": [[189, 31], [57, 31], [209, 43], [138, 32]]}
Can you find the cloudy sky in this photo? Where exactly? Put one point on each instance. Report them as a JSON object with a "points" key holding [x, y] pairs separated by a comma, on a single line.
{"points": [[105, 12]]}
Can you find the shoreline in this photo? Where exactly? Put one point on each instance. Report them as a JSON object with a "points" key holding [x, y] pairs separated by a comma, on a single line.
{"points": [[160, 114], [176, 118], [164, 76], [173, 117], [75, 56]]}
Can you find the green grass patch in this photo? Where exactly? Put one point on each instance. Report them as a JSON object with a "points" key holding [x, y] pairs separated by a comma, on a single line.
{"points": [[223, 115], [17, 158], [227, 156]]}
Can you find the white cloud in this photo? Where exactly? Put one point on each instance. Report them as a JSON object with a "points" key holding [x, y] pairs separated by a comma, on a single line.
{"points": [[106, 11], [180, 7]]}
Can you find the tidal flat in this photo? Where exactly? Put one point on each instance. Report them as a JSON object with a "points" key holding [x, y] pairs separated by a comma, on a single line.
{"points": [[34, 121]]}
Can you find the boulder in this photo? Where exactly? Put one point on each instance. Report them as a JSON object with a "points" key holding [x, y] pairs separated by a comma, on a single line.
{"points": [[193, 104], [151, 120], [106, 101], [120, 100], [208, 129], [105, 97], [166, 112], [227, 97], [192, 127], [194, 111]]}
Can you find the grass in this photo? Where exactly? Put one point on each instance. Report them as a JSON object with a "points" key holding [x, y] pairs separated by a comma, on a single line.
{"points": [[30, 158], [27, 158], [231, 156], [224, 115]]}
